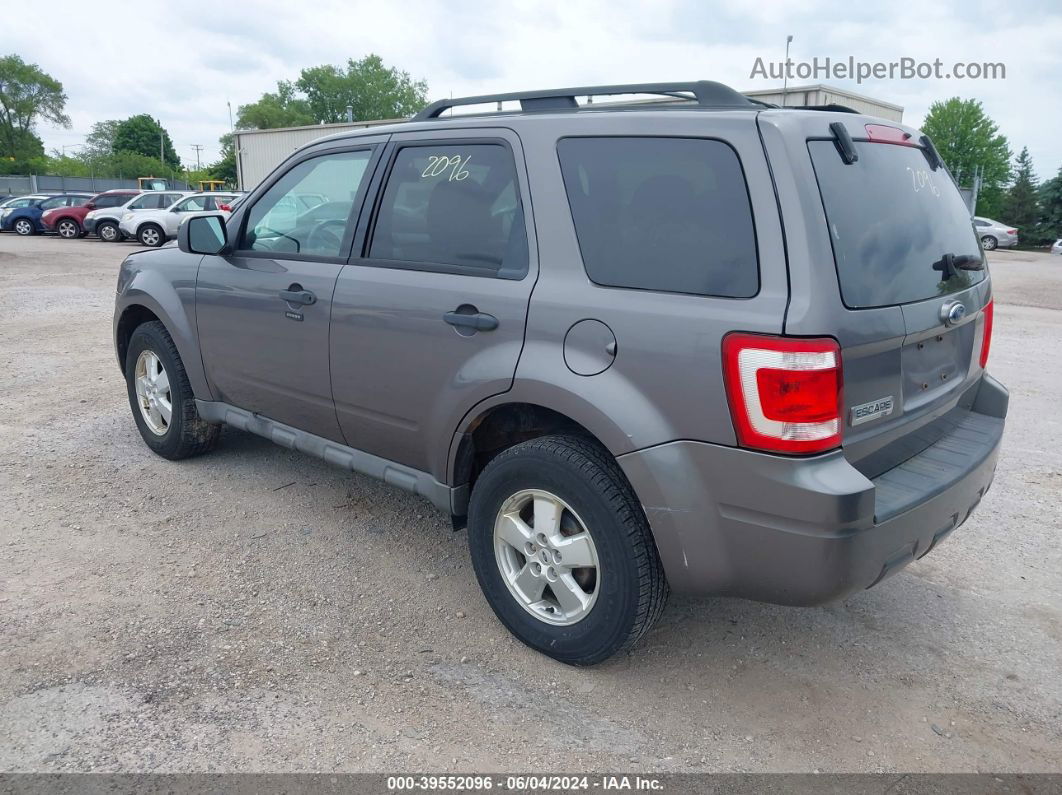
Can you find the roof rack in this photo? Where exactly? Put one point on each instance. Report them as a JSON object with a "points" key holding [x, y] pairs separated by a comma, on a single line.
{"points": [[706, 93]]}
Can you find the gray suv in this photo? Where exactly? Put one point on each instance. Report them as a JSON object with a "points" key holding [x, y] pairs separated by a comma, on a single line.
{"points": [[699, 344]]}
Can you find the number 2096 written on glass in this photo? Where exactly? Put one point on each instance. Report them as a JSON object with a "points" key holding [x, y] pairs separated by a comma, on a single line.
{"points": [[440, 164]]}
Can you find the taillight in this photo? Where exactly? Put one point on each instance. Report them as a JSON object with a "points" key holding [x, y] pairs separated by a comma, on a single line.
{"points": [[225, 208], [1012, 231], [784, 392], [986, 335]]}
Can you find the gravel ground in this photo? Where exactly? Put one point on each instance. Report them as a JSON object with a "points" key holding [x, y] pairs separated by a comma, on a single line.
{"points": [[256, 610]]}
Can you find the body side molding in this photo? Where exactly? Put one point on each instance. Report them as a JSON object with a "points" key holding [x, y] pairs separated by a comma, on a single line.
{"points": [[335, 453]]}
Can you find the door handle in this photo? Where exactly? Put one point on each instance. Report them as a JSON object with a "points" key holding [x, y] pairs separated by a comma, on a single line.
{"points": [[296, 295], [477, 321]]}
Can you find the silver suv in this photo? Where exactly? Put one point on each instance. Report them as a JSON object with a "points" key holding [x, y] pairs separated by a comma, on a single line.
{"points": [[699, 344]]}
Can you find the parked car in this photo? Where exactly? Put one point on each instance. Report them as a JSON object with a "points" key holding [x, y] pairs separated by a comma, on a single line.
{"points": [[686, 364], [156, 227], [69, 221], [12, 203], [1057, 247], [25, 218], [994, 234], [104, 221]]}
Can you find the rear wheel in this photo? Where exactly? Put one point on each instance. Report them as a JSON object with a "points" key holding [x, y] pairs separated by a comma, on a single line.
{"points": [[562, 550], [108, 232], [161, 397], [989, 242], [24, 227], [150, 235], [68, 228]]}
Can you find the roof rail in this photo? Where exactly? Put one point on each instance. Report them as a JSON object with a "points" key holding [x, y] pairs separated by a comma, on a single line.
{"points": [[706, 93]]}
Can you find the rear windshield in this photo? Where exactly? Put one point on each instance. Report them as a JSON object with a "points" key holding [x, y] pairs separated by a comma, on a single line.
{"points": [[891, 218]]}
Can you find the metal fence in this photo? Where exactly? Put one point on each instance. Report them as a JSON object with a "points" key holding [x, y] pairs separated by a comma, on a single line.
{"points": [[46, 183]]}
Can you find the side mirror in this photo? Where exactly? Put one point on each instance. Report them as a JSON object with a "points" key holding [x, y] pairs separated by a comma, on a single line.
{"points": [[202, 234], [90, 206]]}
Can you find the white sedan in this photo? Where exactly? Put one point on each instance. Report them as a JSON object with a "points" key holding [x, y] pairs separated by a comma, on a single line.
{"points": [[155, 227]]}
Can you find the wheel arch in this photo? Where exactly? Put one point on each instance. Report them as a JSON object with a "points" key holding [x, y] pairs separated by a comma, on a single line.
{"points": [[138, 307], [496, 425]]}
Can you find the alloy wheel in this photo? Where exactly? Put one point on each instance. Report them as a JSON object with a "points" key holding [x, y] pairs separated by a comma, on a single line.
{"points": [[153, 392], [546, 557]]}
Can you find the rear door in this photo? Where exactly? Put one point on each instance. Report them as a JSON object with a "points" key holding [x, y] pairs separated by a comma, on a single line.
{"points": [[885, 258], [429, 319]]}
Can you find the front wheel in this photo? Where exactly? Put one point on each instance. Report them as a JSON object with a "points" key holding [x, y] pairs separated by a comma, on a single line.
{"points": [[161, 397], [563, 551], [68, 229], [108, 232], [150, 235], [24, 227], [989, 242]]}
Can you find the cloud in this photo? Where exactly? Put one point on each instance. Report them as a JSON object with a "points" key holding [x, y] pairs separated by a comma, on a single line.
{"points": [[183, 65]]}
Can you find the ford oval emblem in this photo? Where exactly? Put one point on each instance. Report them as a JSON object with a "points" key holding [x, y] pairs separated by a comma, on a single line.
{"points": [[952, 312]]}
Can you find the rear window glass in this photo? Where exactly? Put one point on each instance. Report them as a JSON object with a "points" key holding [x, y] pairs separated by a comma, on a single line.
{"points": [[454, 205], [891, 218], [664, 214]]}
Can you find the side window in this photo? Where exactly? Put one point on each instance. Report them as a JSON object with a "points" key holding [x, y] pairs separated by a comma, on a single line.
{"points": [[149, 201], [58, 201], [192, 204], [665, 214], [78, 201], [979, 222], [112, 200], [169, 199], [280, 221], [453, 205]]}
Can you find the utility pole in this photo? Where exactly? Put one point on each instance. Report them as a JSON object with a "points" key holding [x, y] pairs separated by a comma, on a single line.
{"points": [[198, 148], [785, 72]]}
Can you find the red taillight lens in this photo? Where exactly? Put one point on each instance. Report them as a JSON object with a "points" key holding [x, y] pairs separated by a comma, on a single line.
{"points": [[225, 208], [986, 335], [784, 392], [1012, 231]]}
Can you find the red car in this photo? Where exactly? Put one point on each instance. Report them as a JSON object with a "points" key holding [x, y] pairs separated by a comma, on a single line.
{"points": [[69, 222]]}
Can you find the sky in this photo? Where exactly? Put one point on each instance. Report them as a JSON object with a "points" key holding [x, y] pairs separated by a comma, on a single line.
{"points": [[182, 61]]}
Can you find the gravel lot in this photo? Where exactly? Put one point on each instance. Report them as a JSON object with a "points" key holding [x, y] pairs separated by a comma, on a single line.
{"points": [[256, 610]]}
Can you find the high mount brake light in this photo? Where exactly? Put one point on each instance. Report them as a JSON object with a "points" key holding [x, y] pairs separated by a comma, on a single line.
{"points": [[784, 392], [884, 134]]}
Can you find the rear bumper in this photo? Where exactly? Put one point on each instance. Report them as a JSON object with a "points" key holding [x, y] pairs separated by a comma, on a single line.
{"points": [[807, 531]]}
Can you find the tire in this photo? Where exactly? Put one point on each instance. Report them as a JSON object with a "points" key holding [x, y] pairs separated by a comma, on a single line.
{"points": [[24, 227], [626, 590], [68, 229], [183, 434], [150, 235], [108, 232], [989, 243]]}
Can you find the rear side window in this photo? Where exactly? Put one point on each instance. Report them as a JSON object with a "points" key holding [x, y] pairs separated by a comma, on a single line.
{"points": [[149, 201], [664, 214], [891, 219], [112, 200], [78, 201], [455, 206]]}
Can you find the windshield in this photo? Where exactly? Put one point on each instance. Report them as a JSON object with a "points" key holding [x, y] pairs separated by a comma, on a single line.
{"points": [[891, 218]]}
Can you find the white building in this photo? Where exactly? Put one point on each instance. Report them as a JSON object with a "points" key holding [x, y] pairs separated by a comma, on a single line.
{"points": [[828, 95]]}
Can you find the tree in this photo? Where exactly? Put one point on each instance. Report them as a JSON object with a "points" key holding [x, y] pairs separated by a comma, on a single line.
{"points": [[969, 141], [323, 93], [140, 134], [368, 87], [27, 95], [1050, 227], [225, 168], [100, 142], [1021, 205], [280, 109]]}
